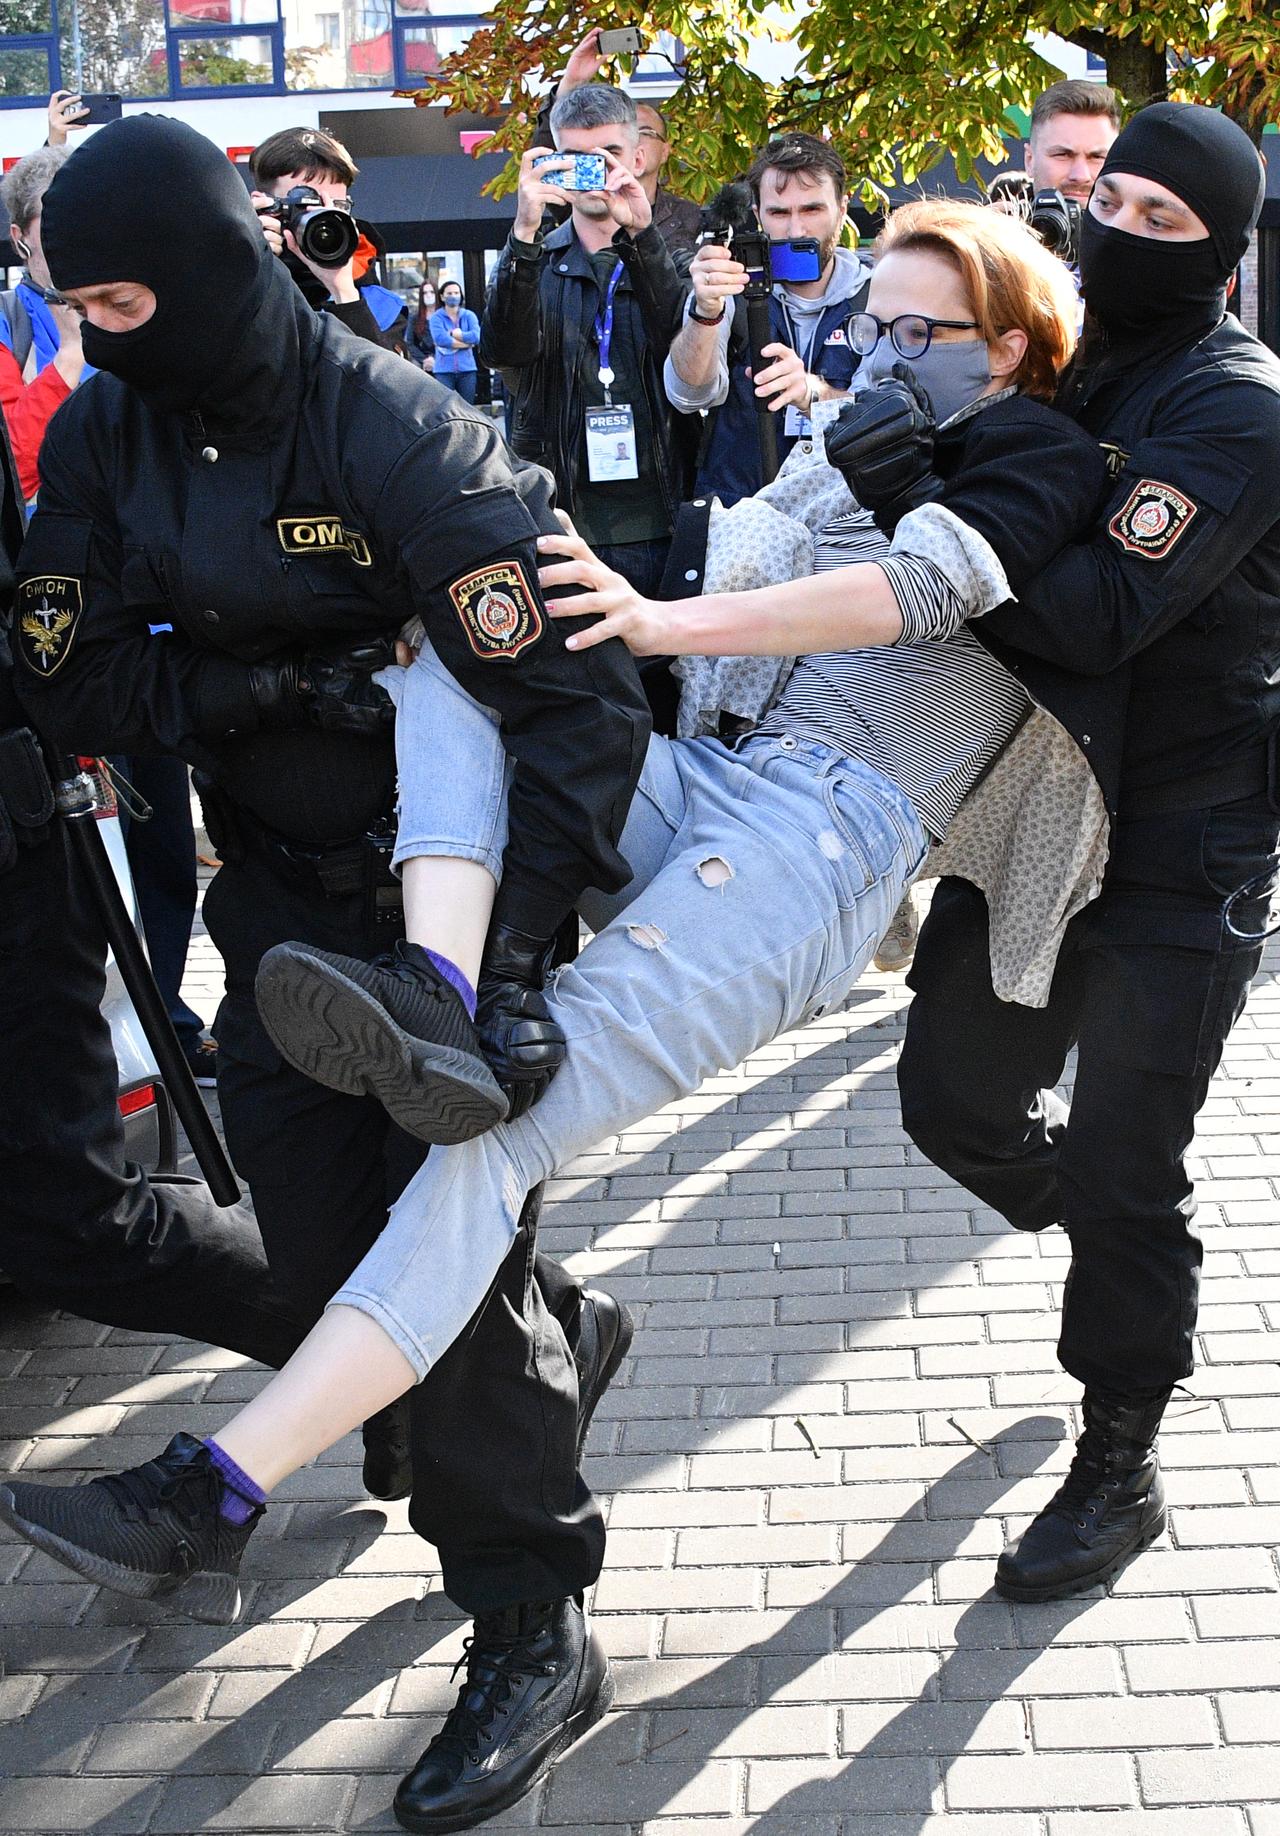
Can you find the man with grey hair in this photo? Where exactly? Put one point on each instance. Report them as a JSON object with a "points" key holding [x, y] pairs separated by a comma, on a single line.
{"points": [[580, 320], [41, 361]]}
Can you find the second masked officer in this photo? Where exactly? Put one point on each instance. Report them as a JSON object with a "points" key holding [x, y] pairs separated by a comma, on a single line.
{"points": [[244, 506]]}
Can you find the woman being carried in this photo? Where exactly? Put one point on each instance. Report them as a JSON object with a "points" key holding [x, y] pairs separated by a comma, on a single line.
{"points": [[765, 871]]}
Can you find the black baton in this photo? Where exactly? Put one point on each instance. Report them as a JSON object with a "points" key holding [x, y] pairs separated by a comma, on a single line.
{"points": [[76, 802]]}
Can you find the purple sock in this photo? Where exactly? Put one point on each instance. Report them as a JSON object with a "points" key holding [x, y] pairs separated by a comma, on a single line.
{"points": [[455, 978], [240, 1496]]}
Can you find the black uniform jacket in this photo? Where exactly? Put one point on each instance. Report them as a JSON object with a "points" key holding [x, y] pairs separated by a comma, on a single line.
{"points": [[1031, 481], [538, 318], [344, 492], [1177, 592]]}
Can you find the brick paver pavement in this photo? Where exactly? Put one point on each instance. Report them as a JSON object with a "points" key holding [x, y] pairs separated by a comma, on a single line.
{"points": [[842, 1398]]}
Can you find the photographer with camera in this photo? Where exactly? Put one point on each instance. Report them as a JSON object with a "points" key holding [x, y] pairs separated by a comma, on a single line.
{"points": [[303, 179], [580, 320], [1072, 127], [800, 190]]}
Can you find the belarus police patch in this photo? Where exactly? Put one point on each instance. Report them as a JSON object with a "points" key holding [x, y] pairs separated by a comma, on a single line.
{"points": [[499, 613], [1152, 519], [49, 608]]}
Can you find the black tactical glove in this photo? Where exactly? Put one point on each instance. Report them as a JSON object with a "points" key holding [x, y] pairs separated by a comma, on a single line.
{"points": [[338, 692], [524, 1045], [881, 443], [274, 687]]}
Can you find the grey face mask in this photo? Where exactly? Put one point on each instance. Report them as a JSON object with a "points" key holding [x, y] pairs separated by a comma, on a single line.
{"points": [[951, 375]]}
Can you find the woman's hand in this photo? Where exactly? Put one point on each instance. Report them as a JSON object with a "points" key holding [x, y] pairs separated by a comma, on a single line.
{"points": [[640, 623], [409, 641]]}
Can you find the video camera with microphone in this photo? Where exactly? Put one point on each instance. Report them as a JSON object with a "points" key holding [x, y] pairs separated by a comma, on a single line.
{"points": [[730, 222]]}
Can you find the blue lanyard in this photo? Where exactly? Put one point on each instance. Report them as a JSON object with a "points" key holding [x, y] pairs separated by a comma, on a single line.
{"points": [[604, 332]]}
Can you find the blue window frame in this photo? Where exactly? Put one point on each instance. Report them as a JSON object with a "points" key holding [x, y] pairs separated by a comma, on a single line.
{"points": [[210, 52], [193, 49]]}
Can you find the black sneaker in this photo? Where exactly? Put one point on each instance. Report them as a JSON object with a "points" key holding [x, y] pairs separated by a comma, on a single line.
{"points": [[605, 1332], [537, 1679], [154, 1532], [388, 1458], [393, 1029]]}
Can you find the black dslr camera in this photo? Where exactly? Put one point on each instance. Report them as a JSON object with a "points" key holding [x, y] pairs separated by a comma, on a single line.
{"points": [[1056, 220], [324, 234]]}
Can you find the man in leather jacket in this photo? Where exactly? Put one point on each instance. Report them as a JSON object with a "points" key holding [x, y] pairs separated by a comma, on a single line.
{"points": [[233, 527], [598, 294]]}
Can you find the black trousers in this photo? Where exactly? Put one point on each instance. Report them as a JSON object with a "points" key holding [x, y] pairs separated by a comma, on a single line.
{"points": [[495, 1422], [80, 1227], [1148, 985]]}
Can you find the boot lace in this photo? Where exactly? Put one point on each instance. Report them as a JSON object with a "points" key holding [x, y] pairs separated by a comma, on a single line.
{"points": [[496, 1663], [404, 972], [142, 1490], [1091, 1481]]}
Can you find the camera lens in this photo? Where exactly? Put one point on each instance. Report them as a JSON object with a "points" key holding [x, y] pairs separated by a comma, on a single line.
{"points": [[327, 236]]}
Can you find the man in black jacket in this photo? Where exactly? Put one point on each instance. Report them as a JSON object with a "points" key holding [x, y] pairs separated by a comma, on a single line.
{"points": [[580, 321], [278, 500], [1178, 591], [81, 1227]]}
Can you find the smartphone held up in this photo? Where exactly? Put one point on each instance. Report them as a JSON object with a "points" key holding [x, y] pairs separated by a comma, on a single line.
{"points": [[584, 172], [94, 110]]}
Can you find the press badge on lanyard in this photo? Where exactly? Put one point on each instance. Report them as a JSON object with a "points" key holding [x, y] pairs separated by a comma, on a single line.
{"points": [[611, 430]]}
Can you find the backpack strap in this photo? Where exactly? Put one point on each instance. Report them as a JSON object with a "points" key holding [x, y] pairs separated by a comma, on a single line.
{"points": [[18, 319]]}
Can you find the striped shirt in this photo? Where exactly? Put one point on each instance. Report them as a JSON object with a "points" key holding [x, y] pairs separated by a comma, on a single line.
{"points": [[931, 711]]}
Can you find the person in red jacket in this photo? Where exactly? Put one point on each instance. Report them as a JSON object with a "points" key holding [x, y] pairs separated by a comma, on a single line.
{"points": [[41, 360]]}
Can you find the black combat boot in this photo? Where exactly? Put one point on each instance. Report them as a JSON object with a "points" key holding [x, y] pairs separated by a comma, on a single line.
{"points": [[605, 1332], [1110, 1507], [156, 1532], [537, 1679], [393, 1029], [388, 1458]]}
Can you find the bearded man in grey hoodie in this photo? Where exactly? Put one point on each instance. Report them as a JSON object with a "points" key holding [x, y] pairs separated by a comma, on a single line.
{"points": [[801, 189]]}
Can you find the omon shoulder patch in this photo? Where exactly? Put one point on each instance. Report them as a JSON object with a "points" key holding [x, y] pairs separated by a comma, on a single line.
{"points": [[48, 615]]}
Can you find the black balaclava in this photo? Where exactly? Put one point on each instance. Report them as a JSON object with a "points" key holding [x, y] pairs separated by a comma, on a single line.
{"points": [[151, 200], [1139, 288]]}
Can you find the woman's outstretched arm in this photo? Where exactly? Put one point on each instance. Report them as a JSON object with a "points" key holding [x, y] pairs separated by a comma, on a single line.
{"points": [[846, 609]]}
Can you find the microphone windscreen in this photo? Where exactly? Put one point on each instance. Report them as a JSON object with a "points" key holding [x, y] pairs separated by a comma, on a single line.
{"points": [[733, 208]]}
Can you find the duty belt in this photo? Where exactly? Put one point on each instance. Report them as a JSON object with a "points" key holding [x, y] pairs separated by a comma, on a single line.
{"points": [[337, 869]]}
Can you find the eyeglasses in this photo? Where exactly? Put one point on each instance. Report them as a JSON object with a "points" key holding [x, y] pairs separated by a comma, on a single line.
{"points": [[911, 333], [653, 134]]}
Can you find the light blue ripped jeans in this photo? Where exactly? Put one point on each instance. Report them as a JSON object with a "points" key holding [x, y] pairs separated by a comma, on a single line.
{"points": [[764, 879]]}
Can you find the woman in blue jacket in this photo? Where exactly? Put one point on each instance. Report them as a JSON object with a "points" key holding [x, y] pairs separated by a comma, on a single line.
{"points": [[455, 332]]}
